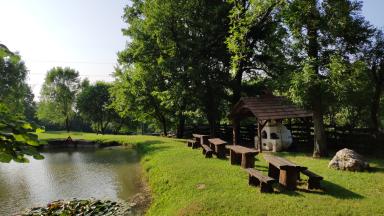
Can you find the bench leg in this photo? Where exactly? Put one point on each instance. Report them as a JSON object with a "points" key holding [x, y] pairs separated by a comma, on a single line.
{"points": [[253, 181], [266, 188], [208, 154], [314, 183], [189, 144], [273, 172], [235, 158], [247, 161]]}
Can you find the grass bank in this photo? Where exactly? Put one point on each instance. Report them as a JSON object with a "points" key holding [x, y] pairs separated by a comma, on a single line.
{"points": [[183, 182]]}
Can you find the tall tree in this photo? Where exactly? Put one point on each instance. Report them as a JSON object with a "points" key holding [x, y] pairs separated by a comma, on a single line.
{"points": [[181, 44], [58, 96], [319, 30], [373, 55], [93, 103], [135, 93]]}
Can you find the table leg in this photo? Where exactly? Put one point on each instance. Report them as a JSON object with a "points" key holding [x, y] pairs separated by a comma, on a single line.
{"points": [[220, 151], [288, 178], [235, 158], [273, 171], [247, 160]]}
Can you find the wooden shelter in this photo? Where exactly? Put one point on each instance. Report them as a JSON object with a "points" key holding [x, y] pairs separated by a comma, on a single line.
{"points": [[264, 108]]}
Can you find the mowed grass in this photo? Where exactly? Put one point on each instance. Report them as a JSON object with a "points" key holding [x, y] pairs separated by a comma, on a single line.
{"points": [[183, 182]]}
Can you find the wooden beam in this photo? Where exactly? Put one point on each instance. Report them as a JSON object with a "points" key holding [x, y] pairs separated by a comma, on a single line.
{"points": [[235, 130]]}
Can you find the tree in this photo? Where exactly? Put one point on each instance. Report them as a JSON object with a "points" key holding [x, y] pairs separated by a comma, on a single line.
{"points": [[256, 42], [320, 30], [180, 47], [373, 54], [58, 95], [17, 137], [93, 103], [15, 94], [134, 94], [349, 86]]}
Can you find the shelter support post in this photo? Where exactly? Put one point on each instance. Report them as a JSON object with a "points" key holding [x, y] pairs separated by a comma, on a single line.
{"points": [[236, 131]]}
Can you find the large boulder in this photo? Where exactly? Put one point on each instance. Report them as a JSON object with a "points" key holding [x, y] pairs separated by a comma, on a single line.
{"points": [[347, 159]]}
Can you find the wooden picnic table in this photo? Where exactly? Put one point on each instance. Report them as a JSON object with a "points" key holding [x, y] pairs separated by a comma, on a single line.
{"points": [[201, 138], [242, 155], [286, 171], [218, 145]]}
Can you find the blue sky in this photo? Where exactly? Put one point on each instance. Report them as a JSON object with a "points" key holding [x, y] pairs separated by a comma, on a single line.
{"points": [[82, 34]]}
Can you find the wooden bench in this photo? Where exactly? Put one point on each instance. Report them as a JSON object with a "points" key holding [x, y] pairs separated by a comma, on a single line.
{"points": [[207, 151], [313, 179], [191, 143], [256, 178]]}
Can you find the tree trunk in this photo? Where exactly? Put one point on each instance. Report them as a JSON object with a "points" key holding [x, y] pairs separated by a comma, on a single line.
{"points": [[67, 126], [212, 125], [237, 83], [320, 142], [164, 123], [180, 126], [375, 117]]}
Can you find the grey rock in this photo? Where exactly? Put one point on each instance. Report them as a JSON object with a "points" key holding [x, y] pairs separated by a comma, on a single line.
{"points": [[347, 159]]}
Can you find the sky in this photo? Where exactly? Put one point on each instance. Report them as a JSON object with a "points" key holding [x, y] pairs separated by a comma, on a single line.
{"points": [[82, 34]]}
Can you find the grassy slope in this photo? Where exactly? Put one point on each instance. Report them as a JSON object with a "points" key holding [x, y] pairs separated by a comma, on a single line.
{"points": [[175, 173]]}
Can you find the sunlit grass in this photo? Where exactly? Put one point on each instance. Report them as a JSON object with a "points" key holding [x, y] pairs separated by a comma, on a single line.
{"points": [[183, 182]]}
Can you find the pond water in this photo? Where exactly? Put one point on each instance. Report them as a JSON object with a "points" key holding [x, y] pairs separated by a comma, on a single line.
{"points": [[111, 173]]}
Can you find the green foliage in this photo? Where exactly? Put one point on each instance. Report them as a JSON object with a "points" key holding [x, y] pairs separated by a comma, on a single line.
{"points": [[169, 64], [15, 94], [17, 138], [350, 85], [16, 104], [58, 95], [256, 38], [307, 86], [93, 103]]}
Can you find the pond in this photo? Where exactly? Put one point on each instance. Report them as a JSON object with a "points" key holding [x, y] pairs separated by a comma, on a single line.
{"points": [[110, 173]]}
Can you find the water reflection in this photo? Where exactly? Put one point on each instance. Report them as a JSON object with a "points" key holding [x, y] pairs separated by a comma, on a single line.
{"points": [[64, 174]]}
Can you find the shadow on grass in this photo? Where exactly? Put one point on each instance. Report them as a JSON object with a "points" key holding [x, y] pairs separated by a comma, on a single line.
{"points": [[150, 147], [338, 191], [376, 169], [282, 190], [377, 165]]}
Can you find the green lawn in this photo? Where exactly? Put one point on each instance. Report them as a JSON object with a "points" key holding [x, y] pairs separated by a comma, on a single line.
{"points": [[183, 182]]}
